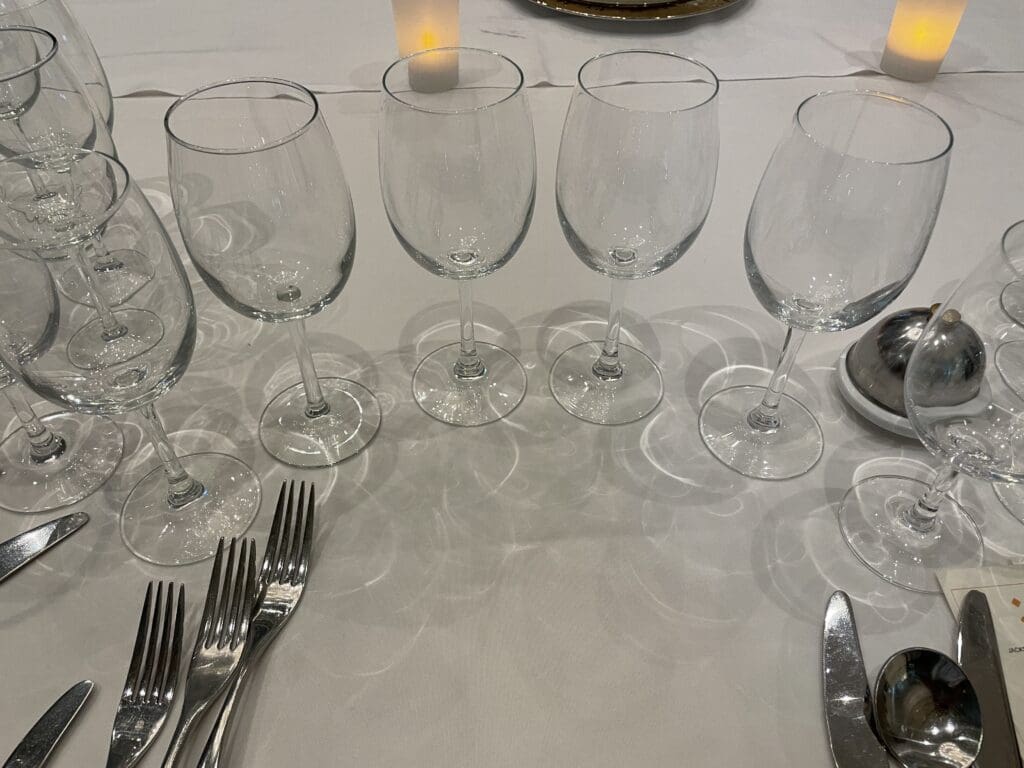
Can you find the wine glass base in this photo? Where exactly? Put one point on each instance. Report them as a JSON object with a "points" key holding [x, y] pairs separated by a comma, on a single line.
{"points": [[586, 396], [788, 451], [469, 402], [90, 350], [124, 272], [93, 447], [290, 436], [1012, 301], [871, 519], [1011, 496], [1009, 360], [159, 534]]}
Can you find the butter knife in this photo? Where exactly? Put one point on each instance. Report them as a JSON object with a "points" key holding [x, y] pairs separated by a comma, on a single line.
{"points": [[847, 695], [25, 547], [35, 748], [978, 651]]}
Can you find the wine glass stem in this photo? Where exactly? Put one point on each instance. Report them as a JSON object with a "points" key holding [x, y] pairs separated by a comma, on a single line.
{"points": [[920, 515], [608, 367], [112, 329], [182, 488], [316, 405], [44, 445], [765, 417], [469, 366]]}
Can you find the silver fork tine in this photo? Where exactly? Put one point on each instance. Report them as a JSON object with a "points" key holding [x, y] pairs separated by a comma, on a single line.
{"points": [[131, 685], [160, 672], [149, 668], [286, 528], [270, 556], [296, 542], [307, 536], [239, 593], [209, 610], [170, 681], [249, 597], [224, 604]]}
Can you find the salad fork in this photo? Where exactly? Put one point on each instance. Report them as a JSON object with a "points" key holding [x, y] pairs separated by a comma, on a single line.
{"points": [[282, 581], [152, 677], [221, 639]]}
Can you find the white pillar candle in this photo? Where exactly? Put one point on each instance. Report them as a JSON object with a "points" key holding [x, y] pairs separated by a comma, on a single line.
{"points": [[421, 25], [919, 37]]}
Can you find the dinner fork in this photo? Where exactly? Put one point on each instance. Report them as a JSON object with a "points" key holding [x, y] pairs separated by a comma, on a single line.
{"points": [[152, 677], [221, 639], [282, 581]]}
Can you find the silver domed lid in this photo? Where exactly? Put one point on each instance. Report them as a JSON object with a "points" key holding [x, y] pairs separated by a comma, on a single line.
{"points": [[878, 361]]}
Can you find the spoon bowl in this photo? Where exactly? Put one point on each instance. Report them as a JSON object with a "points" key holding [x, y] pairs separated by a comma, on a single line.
{"points": [[926, 711]]}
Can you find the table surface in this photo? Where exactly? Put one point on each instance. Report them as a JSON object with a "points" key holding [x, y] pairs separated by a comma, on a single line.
{"points": [[540, 591]]}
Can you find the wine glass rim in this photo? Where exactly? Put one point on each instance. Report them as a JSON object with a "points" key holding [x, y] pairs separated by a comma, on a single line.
{"points": [[81, 152], [242, 150], [657, 52], [514, 91], [1008, 233], [887, 97], [5, 76]]}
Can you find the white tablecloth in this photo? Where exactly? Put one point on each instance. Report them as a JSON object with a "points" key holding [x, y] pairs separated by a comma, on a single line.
{"points": [[332, 45], [538, 592]]}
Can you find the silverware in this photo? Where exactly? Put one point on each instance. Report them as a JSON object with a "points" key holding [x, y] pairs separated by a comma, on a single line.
{"points": [[978, 651], [25, 547], [152, 678], [282, 581], [847, 696], [221, 639], [36, 747], [926, 711]]}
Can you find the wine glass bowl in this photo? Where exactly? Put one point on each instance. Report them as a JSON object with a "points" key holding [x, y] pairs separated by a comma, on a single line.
{"points": [[636, 175], [175, 514], [458, 179], [838, 226], [266, 215]]}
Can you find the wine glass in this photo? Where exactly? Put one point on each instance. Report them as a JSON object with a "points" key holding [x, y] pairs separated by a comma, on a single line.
{"points": [[636, 174], [968, 415], [61, 458], [839, 223], [175, 514], [45, 109], [266, 215], [458, 175], [76, 48]]}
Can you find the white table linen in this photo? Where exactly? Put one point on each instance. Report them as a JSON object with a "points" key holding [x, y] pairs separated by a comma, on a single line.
{"points": [[332, 45], [538, 592]]}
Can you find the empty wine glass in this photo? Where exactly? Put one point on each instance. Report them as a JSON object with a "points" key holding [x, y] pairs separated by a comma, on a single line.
{"points": [[966, 414], [75, 46], [266, 215], [458, 176], [840, 221], [61, 458], [636, 174], [175, 514]]}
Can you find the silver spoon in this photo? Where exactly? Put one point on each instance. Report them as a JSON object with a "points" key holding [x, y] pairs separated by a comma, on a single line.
{"points": [[926, 711]]}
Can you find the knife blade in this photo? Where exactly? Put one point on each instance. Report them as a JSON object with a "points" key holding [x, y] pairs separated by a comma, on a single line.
{"points": [[978, 651], [36, 747], [847, 695], [25, 547]]}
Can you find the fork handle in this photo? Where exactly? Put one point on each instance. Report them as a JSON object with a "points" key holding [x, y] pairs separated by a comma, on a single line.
{"points": [[175, 752], [219, 734]]}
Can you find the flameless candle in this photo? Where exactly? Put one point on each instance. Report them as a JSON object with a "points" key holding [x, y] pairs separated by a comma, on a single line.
{"points": [[919, 37], [422, 25]]}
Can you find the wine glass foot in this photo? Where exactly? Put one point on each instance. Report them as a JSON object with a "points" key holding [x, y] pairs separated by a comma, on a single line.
{"points": [[1011, 496], [586, 396], [790, 450], [92, 348], [350, 423], [160, 534], [469, 402], [1012, 301], [92, 449], [871, 518], [1009, 359], [120, 276]]}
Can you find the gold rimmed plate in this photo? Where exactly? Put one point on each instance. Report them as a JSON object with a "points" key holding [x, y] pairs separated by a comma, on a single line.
{"points": [[624, 10]]}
